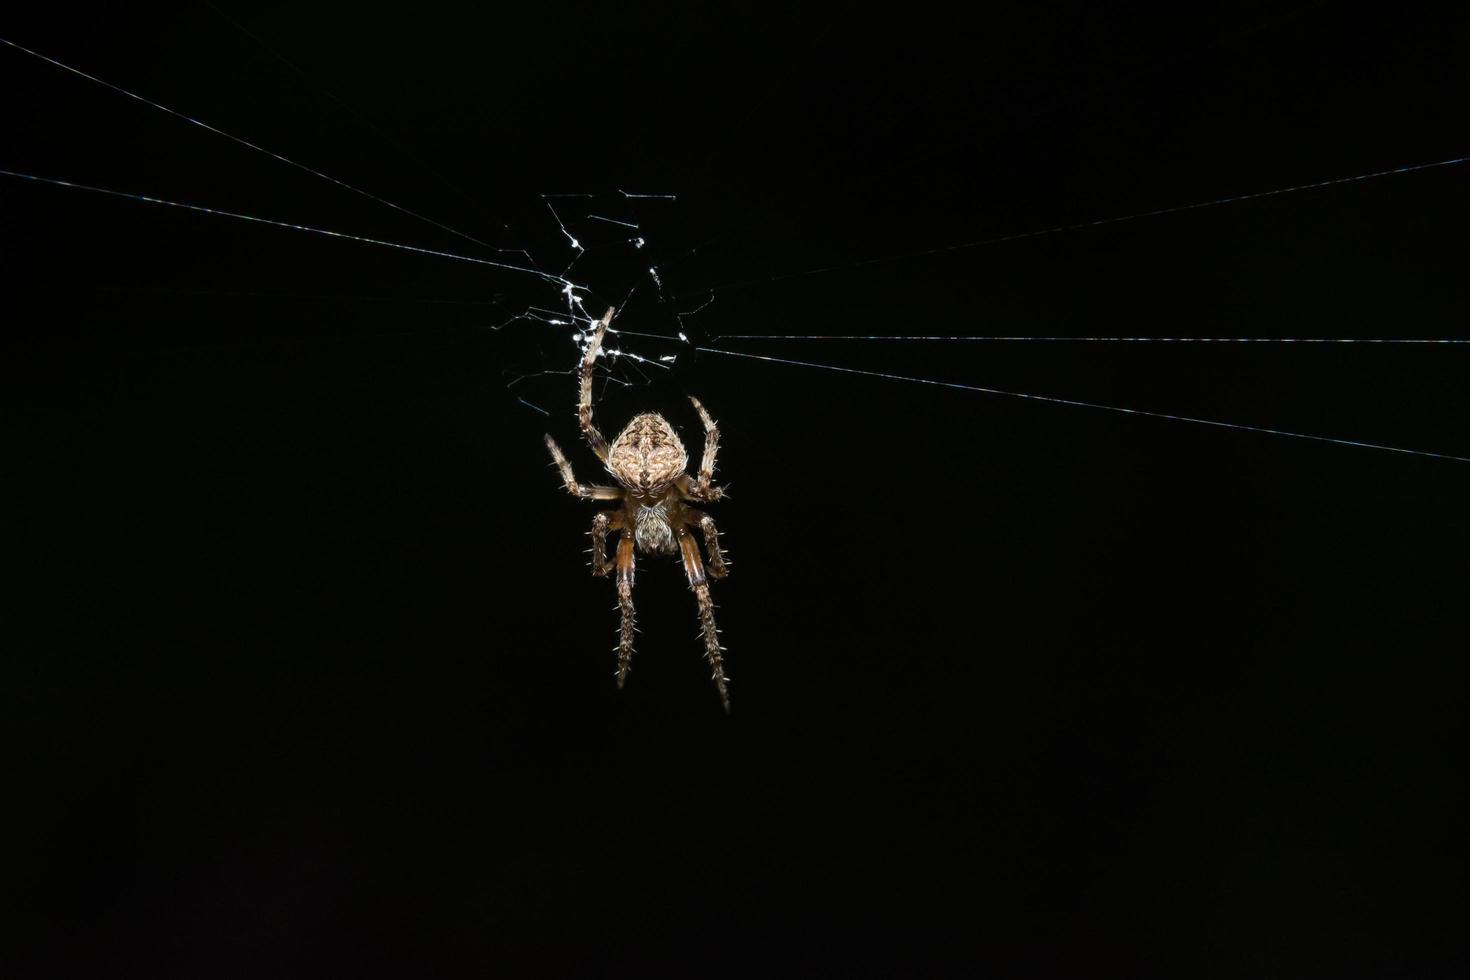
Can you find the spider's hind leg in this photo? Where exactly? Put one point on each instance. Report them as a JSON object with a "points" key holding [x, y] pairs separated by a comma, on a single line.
{"points": [[706, 524], [713, 652], [602, 522], [625, 605]]}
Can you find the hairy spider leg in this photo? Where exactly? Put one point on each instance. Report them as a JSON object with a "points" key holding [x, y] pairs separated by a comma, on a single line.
{"points": [[584, 400], [626, 563], [582, 490], [702, 489], [706, 525], [713, 652], [602, 522]]}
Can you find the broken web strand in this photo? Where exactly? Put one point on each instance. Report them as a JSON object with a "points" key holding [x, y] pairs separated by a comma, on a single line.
{"points": [[639, 244], [583, 223], [569, 373], [612, 221], [614, 366], [632, 225], [617, 363], [1076, 403], [253, 146], [576, 246]]}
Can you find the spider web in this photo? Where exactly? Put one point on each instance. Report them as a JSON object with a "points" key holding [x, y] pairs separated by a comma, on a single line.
{"points": [[994, 538], [583, 252]]}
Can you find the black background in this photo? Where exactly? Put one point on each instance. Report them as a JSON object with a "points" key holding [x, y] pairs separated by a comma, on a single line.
{"points": [[305, 674]]}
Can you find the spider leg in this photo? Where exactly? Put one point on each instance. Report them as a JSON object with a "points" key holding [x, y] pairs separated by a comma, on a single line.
{"points": [[584, 400], [706, 525], [602, 522], [625, 604], [713, 652], [702, 489], [573, 487]]}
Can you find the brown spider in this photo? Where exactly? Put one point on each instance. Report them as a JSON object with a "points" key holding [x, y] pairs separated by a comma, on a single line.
{"points": [[647, 460]]}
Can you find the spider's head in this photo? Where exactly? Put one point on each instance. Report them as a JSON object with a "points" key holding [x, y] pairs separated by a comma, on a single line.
{"points": [[647, 455]]}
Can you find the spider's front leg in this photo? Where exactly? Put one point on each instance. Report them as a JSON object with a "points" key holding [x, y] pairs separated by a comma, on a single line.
{"points": [[585, 491], [584, 398], [713, 652], [702, 488]]}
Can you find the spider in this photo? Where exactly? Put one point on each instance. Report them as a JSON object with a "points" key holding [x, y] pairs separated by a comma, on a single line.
{"points": [[647, 460]]}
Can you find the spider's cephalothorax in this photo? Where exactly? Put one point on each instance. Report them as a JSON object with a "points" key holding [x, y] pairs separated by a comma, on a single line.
{"points": [[647, 460]]}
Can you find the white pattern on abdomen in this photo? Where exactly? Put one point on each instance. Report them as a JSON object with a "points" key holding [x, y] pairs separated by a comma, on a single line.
{"points": [[651, 530]]}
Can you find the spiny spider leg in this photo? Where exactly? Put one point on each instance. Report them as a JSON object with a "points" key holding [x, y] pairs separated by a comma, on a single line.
{"points": [[625, 604], [706, 525], [713, 652], [584, 401], [648, 461], [702, 489], [602, 522], [576, 489]]}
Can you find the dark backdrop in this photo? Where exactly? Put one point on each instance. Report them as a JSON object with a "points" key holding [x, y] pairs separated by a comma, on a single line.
{"points": [[304, 674]]}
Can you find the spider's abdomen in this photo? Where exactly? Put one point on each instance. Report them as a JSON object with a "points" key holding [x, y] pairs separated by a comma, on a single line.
{"points": [[647, 455], [651, 529]]}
